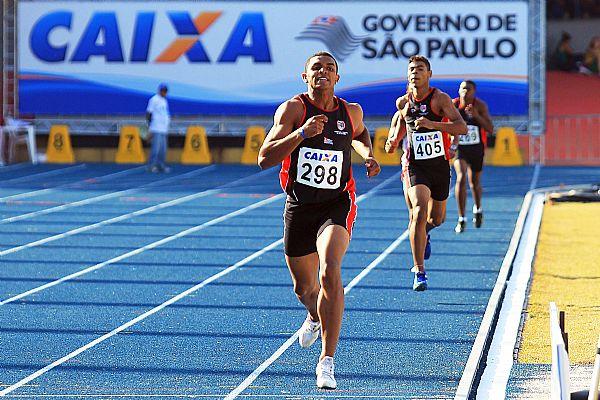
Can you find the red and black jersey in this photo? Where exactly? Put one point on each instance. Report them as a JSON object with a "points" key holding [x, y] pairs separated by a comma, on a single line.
{"points": [[424, 147], [471, 123], [320, 168]]}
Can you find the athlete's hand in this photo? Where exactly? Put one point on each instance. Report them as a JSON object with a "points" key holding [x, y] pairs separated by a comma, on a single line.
{"points": [[390, 146], [423, 123], [452, 151], [471, 111], [314, 125], [373, 167]]}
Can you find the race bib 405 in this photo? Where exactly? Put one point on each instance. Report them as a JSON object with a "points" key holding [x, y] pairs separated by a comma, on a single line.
{"points": [[320, 168], [428, 145]]}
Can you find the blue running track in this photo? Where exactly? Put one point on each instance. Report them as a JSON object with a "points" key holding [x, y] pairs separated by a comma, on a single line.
{"points": [[116, 283]]}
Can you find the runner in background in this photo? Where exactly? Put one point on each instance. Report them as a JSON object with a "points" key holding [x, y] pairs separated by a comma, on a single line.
{"points": [[426, 114], [471, 149]]}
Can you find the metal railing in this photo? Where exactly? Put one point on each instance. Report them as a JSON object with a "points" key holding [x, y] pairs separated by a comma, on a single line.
{"points": [[572, 140]]}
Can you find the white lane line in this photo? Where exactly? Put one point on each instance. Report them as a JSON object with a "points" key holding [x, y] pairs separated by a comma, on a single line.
{"points": [[102, 197], [349, 287], [143, 248], [262, 367], [69, 185], [153, 244], [124, 217], [224, 272], [57, 171], [156, 309]]}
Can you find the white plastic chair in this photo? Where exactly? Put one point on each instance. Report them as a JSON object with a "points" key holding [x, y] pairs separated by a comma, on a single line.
{"points": [[17, 132]]}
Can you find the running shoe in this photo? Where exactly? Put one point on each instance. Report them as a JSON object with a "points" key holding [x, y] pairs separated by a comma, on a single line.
{"points": [[427, 248], [478, 219], [460, 226], [325, 378], [309, 332], [420, 282]]}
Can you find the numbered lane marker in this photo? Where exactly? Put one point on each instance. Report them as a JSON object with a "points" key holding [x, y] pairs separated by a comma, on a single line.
{"points": [[195, 149], [506, 152], [59, 146], [255, 135], [130, 149]]}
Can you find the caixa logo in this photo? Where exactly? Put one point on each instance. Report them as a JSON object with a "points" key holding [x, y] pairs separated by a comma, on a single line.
{"points": [[101, 37]]}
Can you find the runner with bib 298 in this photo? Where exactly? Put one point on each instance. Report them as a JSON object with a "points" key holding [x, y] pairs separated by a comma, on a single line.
{"points": [[312, 136]]}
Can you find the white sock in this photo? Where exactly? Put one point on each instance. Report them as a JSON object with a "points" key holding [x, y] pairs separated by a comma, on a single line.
{"points": [[477, 210], [462, 219]]}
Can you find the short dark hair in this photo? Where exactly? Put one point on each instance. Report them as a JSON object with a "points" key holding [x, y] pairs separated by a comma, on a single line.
{"points": [[421, 58], [319, 54], [470, 82]]}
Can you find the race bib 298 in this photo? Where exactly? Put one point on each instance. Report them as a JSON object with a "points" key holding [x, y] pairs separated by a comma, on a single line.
{"points": [[320, 168]]}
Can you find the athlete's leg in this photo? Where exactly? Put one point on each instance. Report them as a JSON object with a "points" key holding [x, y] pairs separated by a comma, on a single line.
{"points": [[460, 189], [304, 272], [419, 196], [331, 246], [408, 203], [436, 212], [476, 189]]}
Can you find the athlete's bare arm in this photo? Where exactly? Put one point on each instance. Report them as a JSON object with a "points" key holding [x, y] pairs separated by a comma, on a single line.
{"points": [[397, 126], [481, 114], [361, 140], [442, 105], [282, 139]]}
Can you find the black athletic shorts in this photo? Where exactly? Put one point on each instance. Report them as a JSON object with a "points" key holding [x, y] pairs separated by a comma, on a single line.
{"points": [[436, 179], [473, 155], [303, 223]]}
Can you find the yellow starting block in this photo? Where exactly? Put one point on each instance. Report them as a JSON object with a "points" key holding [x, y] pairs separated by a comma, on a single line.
{"points": [[59, 148], [130, 149], [381, 156], [506, 152], [195, 149], [255, 136]]}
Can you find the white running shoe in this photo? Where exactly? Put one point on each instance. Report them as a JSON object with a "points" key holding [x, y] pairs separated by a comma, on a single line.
{"points": [[309, 332], [325, 378]]}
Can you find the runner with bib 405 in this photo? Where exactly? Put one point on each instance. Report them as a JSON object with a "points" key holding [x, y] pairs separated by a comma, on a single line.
{"points": [[426, 116]]}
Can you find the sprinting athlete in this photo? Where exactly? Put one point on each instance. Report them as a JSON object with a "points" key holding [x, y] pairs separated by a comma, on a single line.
{"points": [[425, 115], [471, 149], [312, 136]]}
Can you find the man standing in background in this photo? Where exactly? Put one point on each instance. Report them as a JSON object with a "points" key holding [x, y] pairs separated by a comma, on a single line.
{"points": [[158, 117]]}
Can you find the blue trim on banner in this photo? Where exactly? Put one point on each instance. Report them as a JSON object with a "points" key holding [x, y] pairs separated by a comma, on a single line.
{"points": [[53, 96]]}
